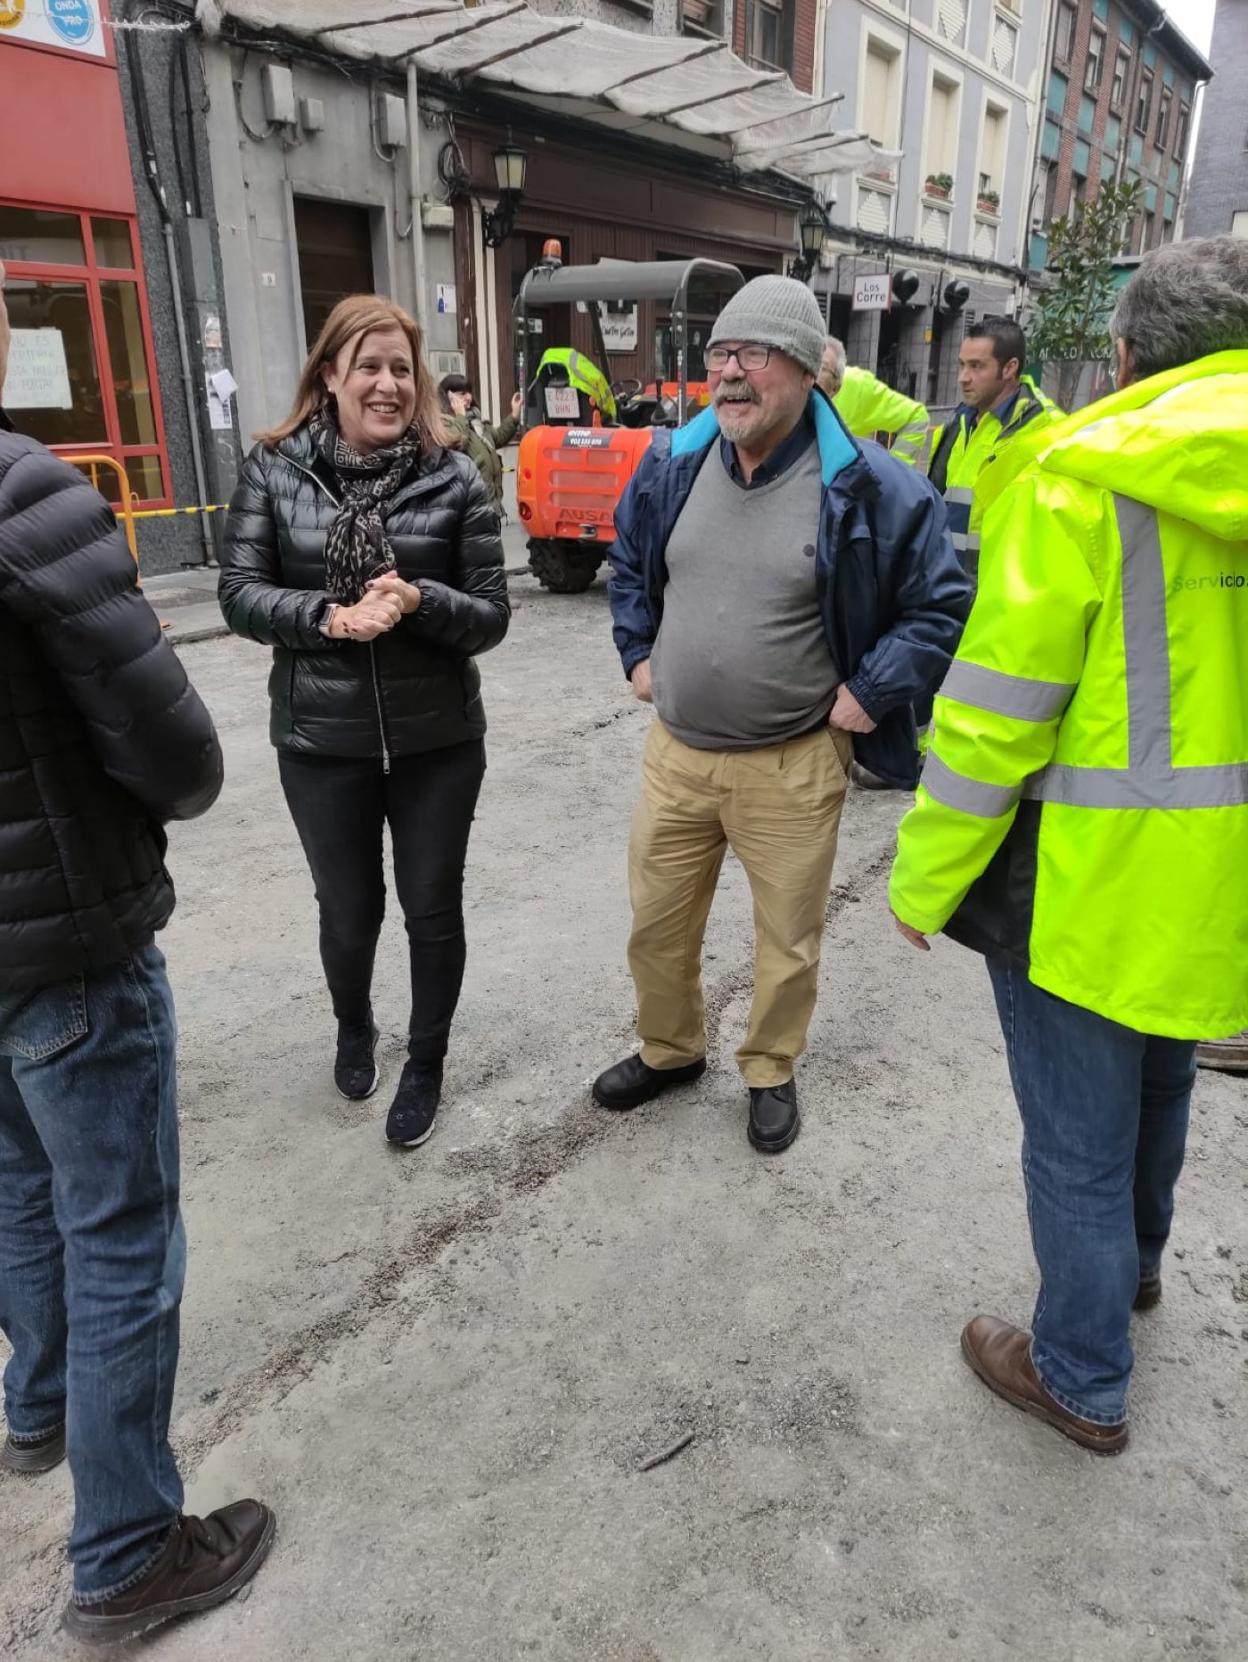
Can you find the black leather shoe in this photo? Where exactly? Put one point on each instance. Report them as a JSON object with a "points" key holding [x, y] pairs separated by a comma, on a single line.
{"points": [[631, 1082], [774, 1119], [34, 1454]]}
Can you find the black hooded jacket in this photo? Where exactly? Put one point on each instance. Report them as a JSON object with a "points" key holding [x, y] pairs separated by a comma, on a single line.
{"points": [[102, 737]]}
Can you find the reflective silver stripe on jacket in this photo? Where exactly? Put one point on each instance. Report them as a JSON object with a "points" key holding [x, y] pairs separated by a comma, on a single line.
{"points": [[1206, 787], [971, 796], [960, 493], [1150, 780], [1005, 695]]}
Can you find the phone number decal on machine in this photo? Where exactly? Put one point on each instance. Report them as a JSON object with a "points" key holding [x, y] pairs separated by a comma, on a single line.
{"points": [[587, 438]]}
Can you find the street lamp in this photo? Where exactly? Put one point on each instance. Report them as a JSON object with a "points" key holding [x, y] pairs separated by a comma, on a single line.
{"points": [[812, 226], [510, 163]]}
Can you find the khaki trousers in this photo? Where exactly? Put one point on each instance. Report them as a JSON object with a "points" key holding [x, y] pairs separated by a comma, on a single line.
{"points": [[779, 810]]}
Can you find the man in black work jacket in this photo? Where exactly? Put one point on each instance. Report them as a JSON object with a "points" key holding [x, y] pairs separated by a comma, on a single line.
{"points": [[102, 740]]}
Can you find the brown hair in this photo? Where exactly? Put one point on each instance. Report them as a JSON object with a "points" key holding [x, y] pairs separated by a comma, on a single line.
{"points": [[350, 320]]}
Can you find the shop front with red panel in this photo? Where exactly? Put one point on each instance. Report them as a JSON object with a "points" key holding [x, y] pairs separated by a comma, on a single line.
{"points": [[82, 367]]}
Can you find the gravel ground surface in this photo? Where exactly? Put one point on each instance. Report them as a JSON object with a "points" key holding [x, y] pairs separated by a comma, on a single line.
{"points": [[446, 1368]]}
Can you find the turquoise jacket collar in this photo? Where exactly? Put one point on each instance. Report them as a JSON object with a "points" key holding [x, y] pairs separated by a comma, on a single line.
{"points": [[836, 449]]}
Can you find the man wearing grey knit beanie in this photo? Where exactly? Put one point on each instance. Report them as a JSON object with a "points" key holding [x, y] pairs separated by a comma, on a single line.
{"points": [[780, 594]]}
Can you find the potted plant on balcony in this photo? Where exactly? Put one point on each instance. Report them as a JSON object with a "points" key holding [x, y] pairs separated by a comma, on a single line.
{"points": [[989, 201], [939, 184]]}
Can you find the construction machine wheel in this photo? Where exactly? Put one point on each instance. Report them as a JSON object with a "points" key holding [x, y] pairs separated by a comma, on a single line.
{"points": [[563, 567]]}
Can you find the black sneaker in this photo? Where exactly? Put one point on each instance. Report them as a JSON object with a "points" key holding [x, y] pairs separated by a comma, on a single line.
{"points": [[415, 1106], [34, 1454], [355, 1066]]}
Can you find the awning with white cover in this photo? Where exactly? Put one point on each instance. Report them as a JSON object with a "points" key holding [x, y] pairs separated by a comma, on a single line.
{"points": [[677, 89]]}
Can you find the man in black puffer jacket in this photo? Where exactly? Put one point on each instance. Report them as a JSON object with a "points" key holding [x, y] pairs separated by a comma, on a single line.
{"points": [[102, 740]]}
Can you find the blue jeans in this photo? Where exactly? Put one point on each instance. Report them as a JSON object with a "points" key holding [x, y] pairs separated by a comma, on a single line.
{"points": [[92, 1252], [1104, 1112]]}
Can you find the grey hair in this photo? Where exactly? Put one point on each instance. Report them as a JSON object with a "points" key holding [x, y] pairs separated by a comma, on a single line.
{"points": [[1185, 301], [837, 348]]}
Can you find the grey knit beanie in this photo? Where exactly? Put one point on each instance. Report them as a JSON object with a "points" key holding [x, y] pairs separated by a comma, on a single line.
{"points": [[779, 312]]}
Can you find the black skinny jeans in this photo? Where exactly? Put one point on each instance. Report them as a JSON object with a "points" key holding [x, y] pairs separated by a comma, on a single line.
{"points": [[339, 806]]}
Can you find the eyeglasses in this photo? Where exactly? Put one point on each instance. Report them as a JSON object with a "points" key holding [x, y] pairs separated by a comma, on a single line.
{"points": [[750, 356]]}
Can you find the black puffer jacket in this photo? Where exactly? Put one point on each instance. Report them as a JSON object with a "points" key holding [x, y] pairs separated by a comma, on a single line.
{"points": [[102, 738], [412, 689]]}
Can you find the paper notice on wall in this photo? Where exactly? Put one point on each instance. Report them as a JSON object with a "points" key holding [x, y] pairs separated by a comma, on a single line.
{"points": [[221, 387], [38, 375], [619, 326], [447, 302]]}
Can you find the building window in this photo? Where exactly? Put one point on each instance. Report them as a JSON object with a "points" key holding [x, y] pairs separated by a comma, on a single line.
{"points": [[1049, 209], [1094, 66], [702, 17], [1181, 130], [81, 373], [1067, 22], [1144, 101], [1122, 74], [771, 34], [1078, 190], [1163, 119], [992, 159], [941, 147], [881, 93]]}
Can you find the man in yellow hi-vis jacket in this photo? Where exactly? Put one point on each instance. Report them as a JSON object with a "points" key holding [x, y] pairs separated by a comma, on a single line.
{"points": [[1083, 815], [999, 403], [869, 406]]}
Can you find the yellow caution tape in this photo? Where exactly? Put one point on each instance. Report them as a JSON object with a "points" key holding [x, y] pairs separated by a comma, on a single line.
{"points": [[167, 513]]}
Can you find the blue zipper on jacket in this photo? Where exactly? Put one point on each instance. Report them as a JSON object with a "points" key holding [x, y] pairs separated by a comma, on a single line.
{"points": [[372, 655]]}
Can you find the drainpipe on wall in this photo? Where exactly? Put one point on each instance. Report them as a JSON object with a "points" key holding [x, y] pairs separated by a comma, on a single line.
{"points": [[413, 186], [151, 169]]}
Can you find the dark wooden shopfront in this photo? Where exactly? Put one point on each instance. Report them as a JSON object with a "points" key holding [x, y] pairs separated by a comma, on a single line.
{"points": [[601, 208]]}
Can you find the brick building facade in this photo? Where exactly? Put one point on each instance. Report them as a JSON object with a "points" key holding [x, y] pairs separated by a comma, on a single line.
{"points": [[1118, 107], [1217, 201]]}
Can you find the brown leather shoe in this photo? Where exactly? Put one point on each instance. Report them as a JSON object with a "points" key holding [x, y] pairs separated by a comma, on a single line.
{"points": [[1224, 1055], [1148, 1293], [204, 1562], [1001, 1356]]}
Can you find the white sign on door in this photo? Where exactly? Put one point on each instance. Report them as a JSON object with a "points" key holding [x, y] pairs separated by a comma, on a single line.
{"points": [[619, 326], [873, 293], [73, 25], [38, 376]]}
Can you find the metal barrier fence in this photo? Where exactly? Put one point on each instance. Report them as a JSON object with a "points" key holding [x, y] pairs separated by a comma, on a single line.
{"points": [[124, 508]]}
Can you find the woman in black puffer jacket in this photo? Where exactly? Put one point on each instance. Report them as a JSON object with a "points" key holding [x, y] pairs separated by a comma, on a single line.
{"points": [[364, 551]]}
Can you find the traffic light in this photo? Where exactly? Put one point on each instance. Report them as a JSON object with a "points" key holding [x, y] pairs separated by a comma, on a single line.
{"points": [[905, 286]]}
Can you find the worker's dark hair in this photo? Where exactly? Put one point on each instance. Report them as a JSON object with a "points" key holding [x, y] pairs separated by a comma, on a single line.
{"points": [[452, 383], [1008, 340]]}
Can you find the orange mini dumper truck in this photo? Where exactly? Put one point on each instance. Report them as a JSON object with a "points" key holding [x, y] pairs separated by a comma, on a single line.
{"points": [[581, 447]]}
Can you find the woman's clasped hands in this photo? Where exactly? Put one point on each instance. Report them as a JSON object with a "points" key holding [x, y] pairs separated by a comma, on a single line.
{"points": [[385, 601]]}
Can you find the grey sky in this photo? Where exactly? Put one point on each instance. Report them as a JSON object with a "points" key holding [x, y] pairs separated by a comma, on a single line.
{"points": [[1195, 18]]}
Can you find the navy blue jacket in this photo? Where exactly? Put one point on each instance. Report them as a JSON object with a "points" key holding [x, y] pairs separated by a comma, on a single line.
{"points": [[892, 591]]}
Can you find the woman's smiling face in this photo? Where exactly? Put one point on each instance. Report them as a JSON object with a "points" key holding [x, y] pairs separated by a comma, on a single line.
{"points": [[373, 380]]}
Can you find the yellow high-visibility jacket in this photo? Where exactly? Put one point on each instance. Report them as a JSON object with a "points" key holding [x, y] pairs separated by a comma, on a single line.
{"points": [[868, 406], [961, 451], [1083, 811]]}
